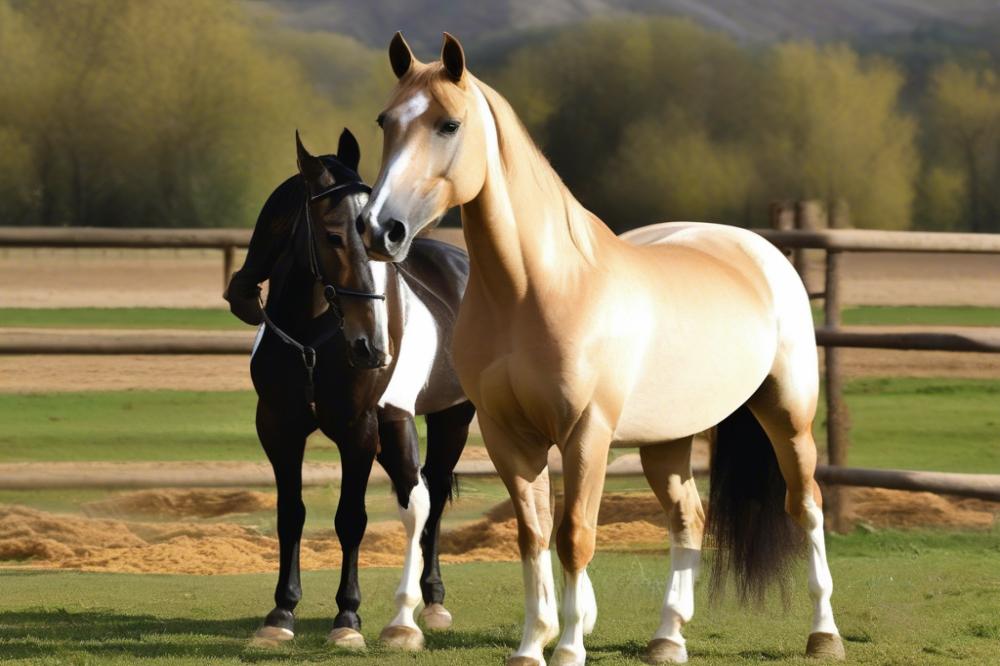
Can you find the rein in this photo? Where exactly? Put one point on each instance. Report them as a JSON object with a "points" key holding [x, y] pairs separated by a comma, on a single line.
{"points": [[331, 292]]}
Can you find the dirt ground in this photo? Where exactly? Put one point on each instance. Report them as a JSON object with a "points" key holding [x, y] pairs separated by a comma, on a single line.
{"points": [[97, 542], [46, 278], [56, 373]]}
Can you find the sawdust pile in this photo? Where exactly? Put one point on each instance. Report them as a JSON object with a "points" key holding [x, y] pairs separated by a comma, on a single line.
{"points": [[93, 543], [180, 503], [894, 508]]}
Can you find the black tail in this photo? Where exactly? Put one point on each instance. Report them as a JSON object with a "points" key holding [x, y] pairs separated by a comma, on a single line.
{"points": [[755, 539]]}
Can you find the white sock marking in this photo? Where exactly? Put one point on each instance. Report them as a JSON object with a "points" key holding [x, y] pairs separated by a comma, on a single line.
{"points": [[820, 580], [414, 516], [678, 602]]}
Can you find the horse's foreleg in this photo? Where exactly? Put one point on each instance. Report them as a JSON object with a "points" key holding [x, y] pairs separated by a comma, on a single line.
{"points": [[400, 456], [668, 470], [585, 457], [447, 432], [284, 442], [356, 456], [523, 467]]}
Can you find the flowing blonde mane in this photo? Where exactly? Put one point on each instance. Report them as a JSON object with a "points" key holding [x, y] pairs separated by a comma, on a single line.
{"points": [[526, 167]]}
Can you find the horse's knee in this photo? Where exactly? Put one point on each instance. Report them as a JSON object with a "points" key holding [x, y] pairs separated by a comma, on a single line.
{"points": [[575, 542]]}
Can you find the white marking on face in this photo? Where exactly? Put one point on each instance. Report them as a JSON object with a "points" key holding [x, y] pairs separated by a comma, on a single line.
{"points": [[417, 353], [383, 188], [414, 517], [411, 109]]}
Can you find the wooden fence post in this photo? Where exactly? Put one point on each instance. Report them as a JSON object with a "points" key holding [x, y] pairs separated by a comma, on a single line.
{"points": [[228, 264], [837, 422]]}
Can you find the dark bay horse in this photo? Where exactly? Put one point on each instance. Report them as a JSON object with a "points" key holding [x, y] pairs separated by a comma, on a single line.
{"points": [[356, 349]]}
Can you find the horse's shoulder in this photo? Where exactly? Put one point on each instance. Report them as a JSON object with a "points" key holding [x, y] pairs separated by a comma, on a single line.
{"points": [[438, 268]]}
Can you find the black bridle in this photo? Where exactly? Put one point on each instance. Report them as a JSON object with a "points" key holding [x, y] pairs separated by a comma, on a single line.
{"points": [[331, 292]]}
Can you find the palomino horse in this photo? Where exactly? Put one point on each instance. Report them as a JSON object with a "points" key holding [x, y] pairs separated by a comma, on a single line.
{"points": [[356, 349], [570, 337]]}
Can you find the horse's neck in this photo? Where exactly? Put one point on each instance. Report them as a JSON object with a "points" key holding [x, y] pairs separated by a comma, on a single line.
{"points": [[524, 230]]}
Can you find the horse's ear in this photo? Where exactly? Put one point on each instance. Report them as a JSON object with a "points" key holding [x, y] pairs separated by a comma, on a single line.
{"points": [[400, 55], [311, 167], [348, 150], [453, 58]]}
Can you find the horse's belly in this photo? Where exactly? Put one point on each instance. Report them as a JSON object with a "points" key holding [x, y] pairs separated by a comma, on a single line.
{"points": [[705, 355]]}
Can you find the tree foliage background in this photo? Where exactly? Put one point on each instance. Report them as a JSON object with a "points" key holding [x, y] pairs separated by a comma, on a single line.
{"points": [[153, 113]]}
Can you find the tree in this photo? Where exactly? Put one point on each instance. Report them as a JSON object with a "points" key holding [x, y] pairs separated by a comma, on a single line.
{"points": [[963, 110], [833, 131]]}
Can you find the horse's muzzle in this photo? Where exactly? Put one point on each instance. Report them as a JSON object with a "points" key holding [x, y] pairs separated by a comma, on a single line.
{"points": [[361, 354], [386, 242]]}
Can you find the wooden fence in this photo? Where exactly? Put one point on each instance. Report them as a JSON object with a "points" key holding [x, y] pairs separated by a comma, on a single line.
{"points": [[832, 336]]}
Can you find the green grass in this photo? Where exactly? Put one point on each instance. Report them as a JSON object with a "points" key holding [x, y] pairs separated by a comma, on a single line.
{"points": [[946, 425], [915, 423], [217, 319], [901, 598], [140, 426], [870, 315], [179, 318]]}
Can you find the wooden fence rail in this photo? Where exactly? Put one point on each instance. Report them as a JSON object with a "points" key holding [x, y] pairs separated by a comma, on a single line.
{"points": [[831, 335]]}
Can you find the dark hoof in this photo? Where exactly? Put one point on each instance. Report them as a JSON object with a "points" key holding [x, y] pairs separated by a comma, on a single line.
{"points": [[347, 638], [825, 646], [399, 637], [665, 651]]}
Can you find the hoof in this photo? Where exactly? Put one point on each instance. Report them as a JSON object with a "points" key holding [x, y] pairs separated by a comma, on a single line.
{"points": [[347, 638], [825, 646], [523, 661], [399, 637], [269, 637], [665, 651], [564, 656], [435, 617]]}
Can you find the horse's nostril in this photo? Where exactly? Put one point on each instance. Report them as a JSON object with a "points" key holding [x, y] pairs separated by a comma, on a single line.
{"points": [[398, 231], [359, 224], [361, 348]]}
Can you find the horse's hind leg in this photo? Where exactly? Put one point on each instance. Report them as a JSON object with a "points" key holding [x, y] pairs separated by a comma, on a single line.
{"points": [[785, 407], [400, 456], [667, 468], [447, 431], [284, 438]]}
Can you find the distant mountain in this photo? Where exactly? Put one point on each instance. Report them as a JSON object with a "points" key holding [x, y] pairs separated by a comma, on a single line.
{"points": [[480, 21]]}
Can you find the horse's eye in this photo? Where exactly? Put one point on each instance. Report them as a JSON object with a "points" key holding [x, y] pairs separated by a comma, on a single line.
{"points": [[380, 120], [449, 127], [335, 240]]}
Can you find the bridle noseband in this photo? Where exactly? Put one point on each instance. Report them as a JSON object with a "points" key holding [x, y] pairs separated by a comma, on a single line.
{"points": [[331, 292]]}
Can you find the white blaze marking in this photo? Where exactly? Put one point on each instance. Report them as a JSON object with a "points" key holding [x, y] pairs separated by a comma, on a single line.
{"points": [[414, 516], [383, 187], [411, 109], [417, 352], [405, 113]]}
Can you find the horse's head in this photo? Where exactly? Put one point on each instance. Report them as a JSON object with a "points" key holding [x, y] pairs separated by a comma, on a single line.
{"points": [[434, 151], [335, 251]]}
